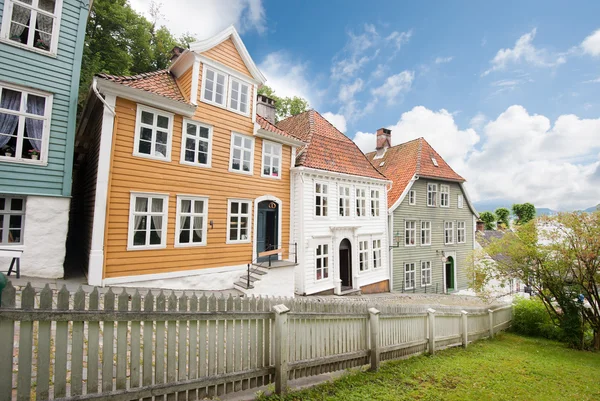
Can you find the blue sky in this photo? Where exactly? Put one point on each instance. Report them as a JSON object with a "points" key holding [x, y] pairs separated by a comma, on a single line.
{"points": [[507, 93]]}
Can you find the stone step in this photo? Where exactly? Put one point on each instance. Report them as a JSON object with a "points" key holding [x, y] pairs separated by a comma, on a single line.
{"points": [[253, 278], [242, 285]]}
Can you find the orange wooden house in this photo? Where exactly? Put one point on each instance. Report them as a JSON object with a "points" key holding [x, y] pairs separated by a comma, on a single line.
{"points": [[177, 179]]}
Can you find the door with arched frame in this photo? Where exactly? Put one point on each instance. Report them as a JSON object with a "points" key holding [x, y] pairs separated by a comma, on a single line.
{"points": [[346, 263]]}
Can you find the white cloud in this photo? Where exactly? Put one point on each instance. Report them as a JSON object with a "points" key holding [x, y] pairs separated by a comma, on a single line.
{"points": [[352, 58], [591, 44], [477, 121], [337, 120], [379, 71], [442, 60], [394, 86], [288, 77], [204, 19], [522, 157], [592, 81], [399, 38], [525, 52], [348, 91]]}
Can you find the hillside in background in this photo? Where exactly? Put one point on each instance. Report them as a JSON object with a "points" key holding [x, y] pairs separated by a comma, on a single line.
{"points": [[490, 206]]}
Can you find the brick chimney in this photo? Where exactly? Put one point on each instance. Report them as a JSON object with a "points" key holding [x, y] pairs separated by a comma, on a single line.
{"points": [[480, 226], [265, 106], [384, 141], [176, 52]]}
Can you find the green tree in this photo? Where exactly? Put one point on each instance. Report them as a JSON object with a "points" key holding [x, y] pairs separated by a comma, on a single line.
{"points": [[525, 212], [559, 257], [503, 215], [287, 106], [489, 219]]}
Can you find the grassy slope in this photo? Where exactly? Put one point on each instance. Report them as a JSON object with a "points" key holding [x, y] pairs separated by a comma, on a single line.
{"points": [[508, 368]]}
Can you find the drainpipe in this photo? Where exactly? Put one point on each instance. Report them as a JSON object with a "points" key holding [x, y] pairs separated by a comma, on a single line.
{"points": [[95, 89]]}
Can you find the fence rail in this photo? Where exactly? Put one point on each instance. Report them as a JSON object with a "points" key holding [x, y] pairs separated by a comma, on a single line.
{"points": [[87, 346]]}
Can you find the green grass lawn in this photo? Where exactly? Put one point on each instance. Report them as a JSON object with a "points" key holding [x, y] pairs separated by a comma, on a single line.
{"points": [[509, 367]]}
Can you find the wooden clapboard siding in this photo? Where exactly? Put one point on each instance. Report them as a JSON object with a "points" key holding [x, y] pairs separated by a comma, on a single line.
{"points": [[185, 83], [227, 54], [59, 76], [129, 173]]}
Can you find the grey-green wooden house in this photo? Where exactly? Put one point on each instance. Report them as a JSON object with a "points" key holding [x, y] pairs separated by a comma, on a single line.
{"points": [[431, 219], [41, 46]]}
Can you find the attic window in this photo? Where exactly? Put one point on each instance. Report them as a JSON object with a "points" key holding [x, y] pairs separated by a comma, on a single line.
{"points": [[381, 164], [435, 163]]}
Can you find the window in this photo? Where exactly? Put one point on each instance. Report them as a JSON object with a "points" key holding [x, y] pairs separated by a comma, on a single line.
{"points": [[376, 253], [215, 86], [432, 195], [32, 23], [148, 221], [238, 222], [444, 196], [344, 201], [196, 148], [12, 219], [425, 274], [449, 232], [409, 276], [153, 134], [191, 221], [461, 233], [363, 255], [459, 201], [24, 125], [238, 96], [410, 230], [412, 197], [271, 160], [361, 202], [242, 152], [374, 203], [321, 199], [322, 261], [425, 233]]}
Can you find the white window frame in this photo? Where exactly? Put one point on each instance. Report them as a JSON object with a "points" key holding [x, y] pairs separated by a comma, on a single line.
{"points": [[432, 194], [345, 200], [324, 196], [274, 146], [361, 202], [410, 231], [239, 215], [460, 201], [377, 261], [325, 262], [197, 140], [448, 228], [363, 256], [22, 115], [232, 146], [6, 21], [461, 232], [191, 214], [427, 231], [410, 275], [154, 128], [444, 195], [225, 87], [7, 212], [375, 202], [412, 197], [241, 83], [132, 213], [426, 268]]}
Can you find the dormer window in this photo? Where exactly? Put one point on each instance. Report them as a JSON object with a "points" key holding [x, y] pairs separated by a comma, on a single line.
{"points": [[225, 90], [238, 96], [215, 84], [434, 161], [32, 24]]}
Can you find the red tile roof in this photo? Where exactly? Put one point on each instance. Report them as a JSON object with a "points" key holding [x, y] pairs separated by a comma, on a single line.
{"points": [[401, 162], [267, 126], [327, 148], [161, 83]]}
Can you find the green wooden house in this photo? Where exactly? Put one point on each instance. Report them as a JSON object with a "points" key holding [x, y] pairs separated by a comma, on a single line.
{"points": [[41, 45]]}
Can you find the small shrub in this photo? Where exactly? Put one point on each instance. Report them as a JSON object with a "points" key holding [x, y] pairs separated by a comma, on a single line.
{"points": [[531, 318]]}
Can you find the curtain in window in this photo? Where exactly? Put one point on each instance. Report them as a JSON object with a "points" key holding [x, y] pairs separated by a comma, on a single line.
{"points": [[198, 227], [21, 16], [186, 206], [8, 122], [141, 205], [44, 26], [157, 207], [35, 128]]}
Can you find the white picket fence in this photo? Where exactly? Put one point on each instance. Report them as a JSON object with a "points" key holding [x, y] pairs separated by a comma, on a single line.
{"points": [[88, 346]]}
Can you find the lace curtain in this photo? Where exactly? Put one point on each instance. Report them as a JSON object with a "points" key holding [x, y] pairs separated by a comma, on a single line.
{"points": [[35, 128], [8, 122], [20, 15]]}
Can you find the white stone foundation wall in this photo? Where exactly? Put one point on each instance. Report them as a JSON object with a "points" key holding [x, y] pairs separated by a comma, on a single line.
{"points": [[44, 237]]}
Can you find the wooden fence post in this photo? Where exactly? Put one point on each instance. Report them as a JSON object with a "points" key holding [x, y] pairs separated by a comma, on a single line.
{"points": [[431, 317], [281, 348], [374, 324], [491, 315], [465, 328]]}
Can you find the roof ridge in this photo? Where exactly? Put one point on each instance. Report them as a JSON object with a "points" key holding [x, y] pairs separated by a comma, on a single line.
{"points": [[418, 167], [134, 77]]}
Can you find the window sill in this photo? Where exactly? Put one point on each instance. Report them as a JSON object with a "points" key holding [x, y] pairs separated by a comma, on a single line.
{"points": [[426, 285], [271, 177], [145, 247], [145, 156], [30, 162], [186, 163], [9, 42], [240, 172], [12, 247], [229, 242], [193, 245]]}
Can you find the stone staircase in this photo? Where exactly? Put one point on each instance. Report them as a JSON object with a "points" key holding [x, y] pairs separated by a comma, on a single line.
{"points": [[260, 271]]}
